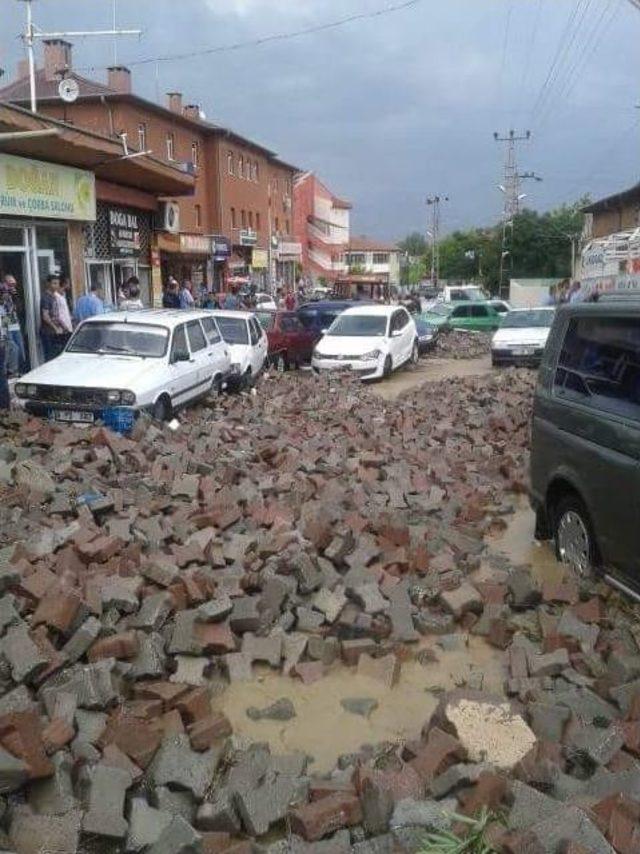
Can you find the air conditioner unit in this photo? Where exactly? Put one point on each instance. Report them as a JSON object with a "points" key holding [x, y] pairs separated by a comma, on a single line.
{"points": [[170, 217]]}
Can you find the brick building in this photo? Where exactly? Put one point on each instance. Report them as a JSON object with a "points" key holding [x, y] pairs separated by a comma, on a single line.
{"points": [[241, 210], [322, 227]]}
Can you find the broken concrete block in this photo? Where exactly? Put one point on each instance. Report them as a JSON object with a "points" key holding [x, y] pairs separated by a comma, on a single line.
{"points": [[385, 670], [54, 795], [146, 824], [215, 610], [238, 667], [219, 815], [150, 662], [153, 612], [462, 600], [176, 764], [82, 639], [330, 603], [23, 655], [525, 592], [105, 789], [368, 596], [265, 650], [13, 772], [30, 833], [190, 670]]}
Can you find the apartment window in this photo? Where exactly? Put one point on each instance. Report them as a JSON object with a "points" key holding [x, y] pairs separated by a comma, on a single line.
{"points": [[255, 172], [240, 167], [257, 221], [243, 218], [277, 225], [230, 168], [251, 220], [142, 137], [198, 210], [356, 259], [195, 153], [380, 257], [171, 147], [233, 217], [248, 170], [288, 228]]}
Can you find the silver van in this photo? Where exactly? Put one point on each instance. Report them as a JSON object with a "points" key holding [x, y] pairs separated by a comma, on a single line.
{"points": [[585, 455]]}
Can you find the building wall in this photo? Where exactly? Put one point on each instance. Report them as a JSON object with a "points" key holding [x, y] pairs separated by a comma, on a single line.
{"points": [[323, 243], [618, 219]]}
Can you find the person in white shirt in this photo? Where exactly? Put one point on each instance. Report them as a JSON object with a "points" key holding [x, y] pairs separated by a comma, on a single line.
{"points": [[133, 303]]}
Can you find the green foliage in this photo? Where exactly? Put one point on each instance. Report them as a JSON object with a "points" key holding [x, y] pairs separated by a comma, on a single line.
{"points": [[475, 842], [540, 247], [415, 245]]}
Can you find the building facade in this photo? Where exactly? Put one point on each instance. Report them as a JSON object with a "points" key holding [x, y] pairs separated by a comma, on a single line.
{"points": [[227, 229], [610, 256], [322, 225], [374, 258], [69, 202]]}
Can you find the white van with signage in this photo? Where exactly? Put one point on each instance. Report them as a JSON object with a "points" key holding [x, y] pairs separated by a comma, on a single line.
{"points": [[157, 361]]}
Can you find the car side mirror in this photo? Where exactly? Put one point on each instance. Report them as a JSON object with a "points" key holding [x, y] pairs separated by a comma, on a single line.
{"points": [[180, 356]]}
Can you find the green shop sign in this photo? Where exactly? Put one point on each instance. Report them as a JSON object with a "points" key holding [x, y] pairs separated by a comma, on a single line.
{"points": [[37, 189]]}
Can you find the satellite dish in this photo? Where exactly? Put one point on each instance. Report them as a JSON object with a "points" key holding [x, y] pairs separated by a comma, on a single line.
{"points": [[68, 90]]}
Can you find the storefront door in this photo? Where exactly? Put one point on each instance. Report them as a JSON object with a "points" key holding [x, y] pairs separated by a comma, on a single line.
{"points": [[99, 273], [16, 260]]}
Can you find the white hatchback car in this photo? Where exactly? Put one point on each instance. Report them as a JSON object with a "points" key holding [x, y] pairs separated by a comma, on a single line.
{"points": [[265, 302], [372, 340], [247, 343], [147, 360], [522, 337]]}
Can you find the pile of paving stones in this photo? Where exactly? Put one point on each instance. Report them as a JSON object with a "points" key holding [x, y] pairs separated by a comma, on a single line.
{"points": [[307, 526], [462, 345]]}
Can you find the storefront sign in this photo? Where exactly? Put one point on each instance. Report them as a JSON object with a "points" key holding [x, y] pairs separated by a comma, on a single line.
{"points": [[260, 259], [221, 248], [124, 233], [37, 189], [248, 237], [291, 250], [195, 243]]}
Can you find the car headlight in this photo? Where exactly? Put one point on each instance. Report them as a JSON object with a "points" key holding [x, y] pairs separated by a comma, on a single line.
{"points": [[21, 390], [114, 396], [128, 397], [374, 354]]}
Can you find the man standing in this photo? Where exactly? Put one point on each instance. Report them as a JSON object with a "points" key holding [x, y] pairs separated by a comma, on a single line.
{"points": [[171, 296], [51, 330], [134, 303], [4, 384], [186, 297], [63, 315], [16, 357], [90, 304]]}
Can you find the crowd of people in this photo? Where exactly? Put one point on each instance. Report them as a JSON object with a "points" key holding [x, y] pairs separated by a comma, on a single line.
{"points": [[569, 292], [185, 296]]}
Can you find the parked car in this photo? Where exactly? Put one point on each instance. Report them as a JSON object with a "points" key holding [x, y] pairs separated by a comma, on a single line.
{"points": [[317, 317], [247, 343], [372, 340], [474, 316], [427, 335], [585, 456], [522, 336], [265, 302], [290, 344], [500, 305], [144, 360], [462, 293], [438, 315]]}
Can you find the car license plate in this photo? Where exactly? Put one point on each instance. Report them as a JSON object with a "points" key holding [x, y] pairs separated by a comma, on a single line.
{"points": [[523, 351], [74, 415]]}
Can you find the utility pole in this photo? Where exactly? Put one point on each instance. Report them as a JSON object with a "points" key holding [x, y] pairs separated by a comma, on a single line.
{"points": [[434, 203], [512, 183], [31, 33]]}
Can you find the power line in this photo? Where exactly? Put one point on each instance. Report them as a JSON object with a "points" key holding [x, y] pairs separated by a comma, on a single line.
{"points": [[276, 37], [534, 34]]}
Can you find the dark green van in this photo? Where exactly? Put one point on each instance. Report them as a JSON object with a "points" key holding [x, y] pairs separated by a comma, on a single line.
{"points": [[585, 455]]}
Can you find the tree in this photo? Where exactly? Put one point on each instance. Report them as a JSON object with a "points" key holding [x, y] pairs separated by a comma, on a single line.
{"points": [[414, 245]]}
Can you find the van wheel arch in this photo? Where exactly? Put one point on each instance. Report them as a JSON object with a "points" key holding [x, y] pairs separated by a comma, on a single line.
{"points": [[562, 492]]}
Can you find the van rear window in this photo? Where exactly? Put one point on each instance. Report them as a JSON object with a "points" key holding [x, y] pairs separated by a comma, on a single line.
{"points": [[599, 365]]}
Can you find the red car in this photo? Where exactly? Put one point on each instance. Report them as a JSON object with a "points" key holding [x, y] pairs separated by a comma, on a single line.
{"points": [[290, 344]]}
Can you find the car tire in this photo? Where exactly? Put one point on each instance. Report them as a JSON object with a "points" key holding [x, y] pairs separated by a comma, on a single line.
{"points": [[162, 409], [415, 354], [388, 366], [281, 363], [216, 387], [247, 380], [575, 542]]}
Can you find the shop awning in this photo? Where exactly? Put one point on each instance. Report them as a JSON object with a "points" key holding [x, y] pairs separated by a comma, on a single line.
{"points": [[83, 149]]}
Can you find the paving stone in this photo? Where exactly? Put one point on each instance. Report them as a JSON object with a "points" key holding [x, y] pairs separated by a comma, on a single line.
{"points": [[600, 745], [462, 600], [9, 616], [13, 772], [377, 807], [363, 706], [548, 721], [189, 670], [457, 776], [146, 824], [265, 650], [178, 837], [551, 664], [385, 670], [245, 616], [150, 662], [17, 700], [91, 685], [174, 801], [153, 613], [215, 610], [176, 764], [280, 710], [219, 814], [321, 649], [106, 789], [368, 596], [82, 639], [90, 725], [401, 615], [431, 815], [571, 626], [238, 667], [54, 795], [524, 590], [260, 808], [330, 603], [316, 820]]}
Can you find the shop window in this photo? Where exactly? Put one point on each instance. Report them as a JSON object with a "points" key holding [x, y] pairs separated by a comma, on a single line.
{"points": [[142, 137], [240, 167], [198, 211], [195, 154], [230, 168], [171, 147], [233, 218]]}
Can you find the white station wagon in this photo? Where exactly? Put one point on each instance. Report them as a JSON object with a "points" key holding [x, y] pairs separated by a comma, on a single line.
{"points": [[149, 360], [247, 344]]}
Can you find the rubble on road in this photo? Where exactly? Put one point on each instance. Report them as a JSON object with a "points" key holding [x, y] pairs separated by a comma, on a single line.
{"points": [[308, 528], [455, 344]]}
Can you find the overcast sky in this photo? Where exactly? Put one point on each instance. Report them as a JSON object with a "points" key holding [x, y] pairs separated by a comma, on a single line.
{"points": [[389, 110]]}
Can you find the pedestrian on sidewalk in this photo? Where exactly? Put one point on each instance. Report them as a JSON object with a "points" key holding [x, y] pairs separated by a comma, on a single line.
{"points": [[171, 296], [90, 304], [134, 303], [4, 383], [16, 354], [52, 333], [186, 297], [63, 314]]}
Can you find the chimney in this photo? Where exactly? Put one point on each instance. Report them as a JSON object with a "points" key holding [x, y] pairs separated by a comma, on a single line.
{"points": [[192, 111], [23, 68], [174, 101], [119, 79], [57, 58]]}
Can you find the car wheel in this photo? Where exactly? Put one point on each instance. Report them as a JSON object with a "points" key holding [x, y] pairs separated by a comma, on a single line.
{"points": [[162, 409], [574, 539], [282, 364], [388, 367], [247, 379], [415, 353], [216, 387]]}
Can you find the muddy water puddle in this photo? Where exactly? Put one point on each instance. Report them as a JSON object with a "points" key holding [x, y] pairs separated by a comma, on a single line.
{"points": [[324, 730], [518, 545]]}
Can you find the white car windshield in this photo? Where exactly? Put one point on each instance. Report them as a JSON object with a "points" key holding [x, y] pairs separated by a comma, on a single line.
{"points": [[359, 325], [233, 330], [129, 339], [527, 319]]}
